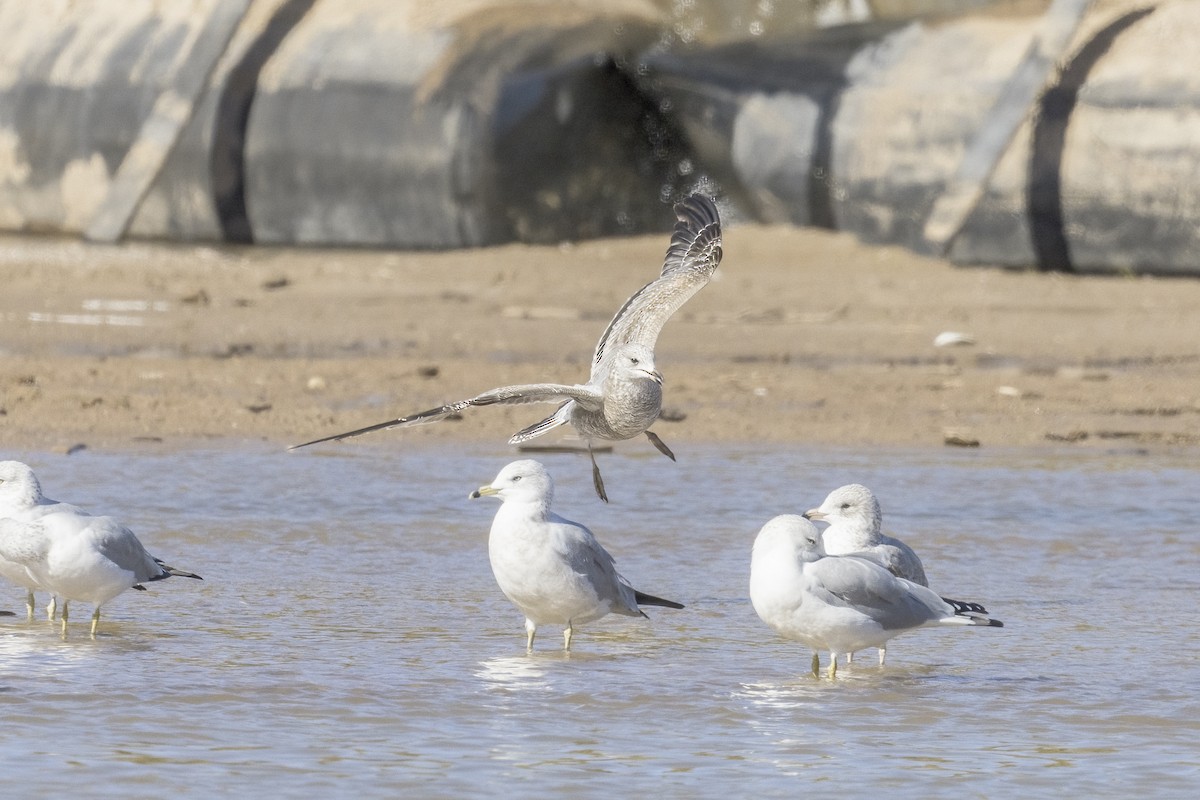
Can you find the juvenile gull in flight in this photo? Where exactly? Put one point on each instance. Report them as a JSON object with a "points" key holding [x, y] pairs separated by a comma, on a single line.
{"points": [[840, 603], [552, 569], [623, 395], [68, 552]]}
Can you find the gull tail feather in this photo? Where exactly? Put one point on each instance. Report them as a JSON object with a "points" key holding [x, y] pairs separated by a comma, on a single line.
{"points": [[644, 599], [561, 416]]}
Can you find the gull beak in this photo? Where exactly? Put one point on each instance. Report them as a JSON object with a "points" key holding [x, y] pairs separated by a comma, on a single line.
{"points": [[814, 514], [655, 376], [482, 490]]}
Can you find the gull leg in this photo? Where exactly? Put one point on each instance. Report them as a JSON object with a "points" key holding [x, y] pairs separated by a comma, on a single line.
{"points": [[849, 658], [30, 603], [660, 445], [95, 620], [816, 664], [567, 637], [51, 607], [530, 630], [597, 481], [63, 616], [833, 657], [882, 655]]}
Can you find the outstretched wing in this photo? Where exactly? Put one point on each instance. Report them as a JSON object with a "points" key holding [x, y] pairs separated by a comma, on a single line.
{"points": [[586, 396], [692, 258]]}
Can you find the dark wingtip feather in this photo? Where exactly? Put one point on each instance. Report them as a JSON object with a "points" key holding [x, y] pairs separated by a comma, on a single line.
{"points": [[644, 599], [964, 607], [975, 611], [170, 572]]}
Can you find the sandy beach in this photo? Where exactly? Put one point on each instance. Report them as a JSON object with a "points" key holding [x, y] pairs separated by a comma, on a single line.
{"points": [[805, 337]]}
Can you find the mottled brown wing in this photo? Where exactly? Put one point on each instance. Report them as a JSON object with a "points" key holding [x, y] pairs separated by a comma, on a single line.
{"points": [[692, 257]]}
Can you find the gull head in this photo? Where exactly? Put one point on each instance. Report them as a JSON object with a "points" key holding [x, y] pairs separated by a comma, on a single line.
{"points": [[789, 534], [852, 504], [633, 360], [521, 481], [19, 487]]}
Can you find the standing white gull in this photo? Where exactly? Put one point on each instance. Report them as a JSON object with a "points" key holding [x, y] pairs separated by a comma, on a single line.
{"points": [[552, 569], [856, 526], [68, 552], [623, 395], [840, 603], [21, 499]]}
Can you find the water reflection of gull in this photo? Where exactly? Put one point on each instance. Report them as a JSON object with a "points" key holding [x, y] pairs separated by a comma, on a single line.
{"points": [[518, 673]]}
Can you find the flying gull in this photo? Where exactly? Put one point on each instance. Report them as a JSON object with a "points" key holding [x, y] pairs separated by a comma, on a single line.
{"points": [[623, 395]]}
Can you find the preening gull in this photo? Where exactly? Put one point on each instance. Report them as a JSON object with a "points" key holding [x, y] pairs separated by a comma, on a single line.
{"points": [[552, 569], [623, 395], [840, 603], [68, 552]]}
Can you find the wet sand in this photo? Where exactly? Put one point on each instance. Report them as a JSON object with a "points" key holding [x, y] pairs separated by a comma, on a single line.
{"points": [[806, 337]]}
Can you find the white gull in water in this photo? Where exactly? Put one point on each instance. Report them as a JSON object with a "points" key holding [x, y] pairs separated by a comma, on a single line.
{"points": [[856, 526], [840, 603], [552, 569], [623, 394], [68, 552]]}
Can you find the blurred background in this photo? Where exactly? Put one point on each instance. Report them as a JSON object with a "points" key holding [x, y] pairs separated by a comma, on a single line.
{"points": [[1057, 134]]}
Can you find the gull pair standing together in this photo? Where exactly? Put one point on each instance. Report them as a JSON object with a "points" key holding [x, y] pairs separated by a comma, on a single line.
{"points": [[623, 394], [56, 547], [849, 588]]}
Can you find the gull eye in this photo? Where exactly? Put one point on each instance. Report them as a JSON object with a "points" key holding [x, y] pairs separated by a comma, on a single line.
{"points": [[844, 506], [634, 361], [516, 478]]}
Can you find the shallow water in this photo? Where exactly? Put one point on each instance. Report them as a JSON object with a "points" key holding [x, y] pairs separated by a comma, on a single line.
{"points": [[349, 639]]}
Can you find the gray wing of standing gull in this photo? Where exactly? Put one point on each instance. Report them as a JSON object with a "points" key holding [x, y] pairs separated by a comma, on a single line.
{"points": [[692, 257], [895, 604], [585, 555], [122, 547], [902, 560], [586, 395]]}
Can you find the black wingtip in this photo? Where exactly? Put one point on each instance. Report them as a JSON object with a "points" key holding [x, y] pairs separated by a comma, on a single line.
{"points": [[644, 599], [964, 607]]}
